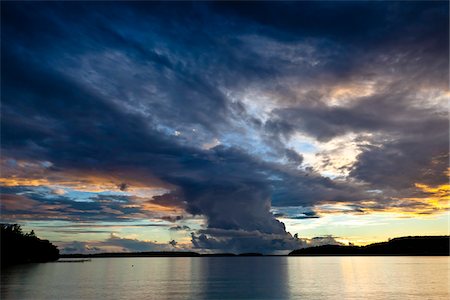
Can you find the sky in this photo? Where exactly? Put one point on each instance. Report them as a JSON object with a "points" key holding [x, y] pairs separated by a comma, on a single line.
{"points": [[224, 127]]}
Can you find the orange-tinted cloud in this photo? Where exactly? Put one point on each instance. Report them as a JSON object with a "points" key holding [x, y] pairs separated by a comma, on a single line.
{"points": [[37, 173]]}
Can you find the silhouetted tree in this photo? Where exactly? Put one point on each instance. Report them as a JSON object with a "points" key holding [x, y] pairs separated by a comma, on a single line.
{"points": [[18, 247], [408, 245]]}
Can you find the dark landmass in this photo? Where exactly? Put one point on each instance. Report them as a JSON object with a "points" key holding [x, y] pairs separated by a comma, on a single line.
{"points": [[218, 254], [157, 254], [251, 254], [18, 247], [231, 254], [78, 260], [406, 246], [134, 254]]}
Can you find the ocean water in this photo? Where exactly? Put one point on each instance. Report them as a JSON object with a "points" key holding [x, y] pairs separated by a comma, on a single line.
{"points": [[232, 278]]}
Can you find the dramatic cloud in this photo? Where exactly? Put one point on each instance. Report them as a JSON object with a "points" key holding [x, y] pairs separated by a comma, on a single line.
{"points": [[222, 117]]}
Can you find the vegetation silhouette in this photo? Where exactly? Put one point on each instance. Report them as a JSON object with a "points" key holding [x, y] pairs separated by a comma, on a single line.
{"points": [[134, 254], [156, 254], [411, 245], [18, 247]]}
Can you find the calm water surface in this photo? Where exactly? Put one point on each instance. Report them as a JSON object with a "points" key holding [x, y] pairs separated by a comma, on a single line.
{"points": [[232, 278]]}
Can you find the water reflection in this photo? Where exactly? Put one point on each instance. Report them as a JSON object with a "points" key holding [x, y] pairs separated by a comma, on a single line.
{"points": [[243, 278], [232, 278], [369, 277], [20, 275]]}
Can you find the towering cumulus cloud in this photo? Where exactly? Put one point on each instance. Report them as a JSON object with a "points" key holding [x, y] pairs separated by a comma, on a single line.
{"points": [[222, 119]]}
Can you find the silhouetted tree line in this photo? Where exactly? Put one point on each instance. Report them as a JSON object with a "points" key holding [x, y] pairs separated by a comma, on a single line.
{"points": [[19, 247], [411, 245], [133, 254], [155, 254]]}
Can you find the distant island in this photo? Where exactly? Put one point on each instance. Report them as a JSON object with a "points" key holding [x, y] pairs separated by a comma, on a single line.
{"points": [[18, 247], [405, 246], [156, 254]]}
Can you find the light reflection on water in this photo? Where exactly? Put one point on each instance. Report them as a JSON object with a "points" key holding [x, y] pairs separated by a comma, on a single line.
{"points": [[232, 278]]}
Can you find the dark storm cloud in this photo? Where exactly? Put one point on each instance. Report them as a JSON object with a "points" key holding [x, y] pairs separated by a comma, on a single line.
{"points": [[226, 185], [346, 20], [402, 163], [293, 157], [238, 241], [140, 88], [325, 123], [358, 23]]}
